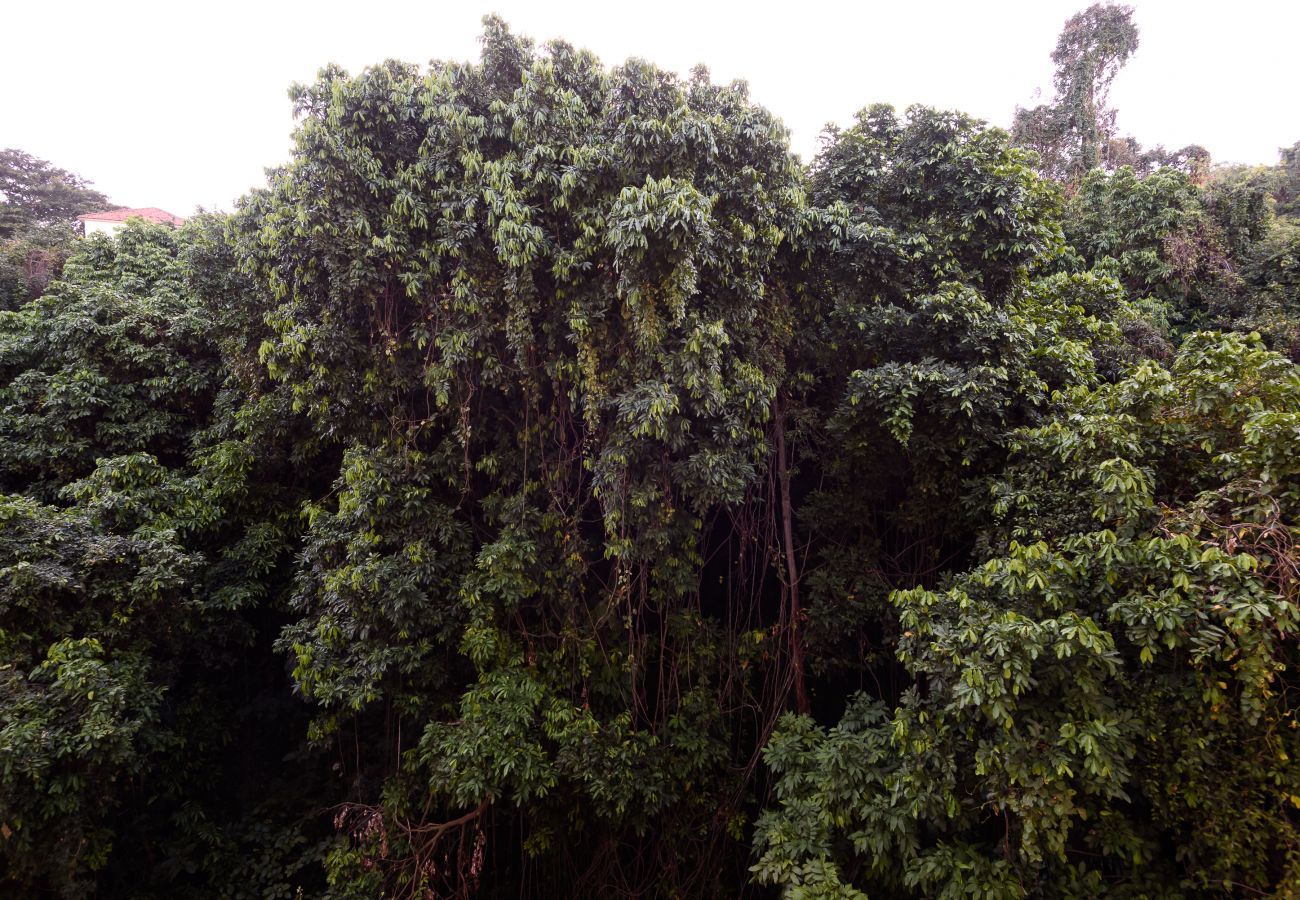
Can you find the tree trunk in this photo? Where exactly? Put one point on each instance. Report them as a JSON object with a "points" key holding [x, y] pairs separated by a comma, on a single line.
{"points": [[792, 567]]}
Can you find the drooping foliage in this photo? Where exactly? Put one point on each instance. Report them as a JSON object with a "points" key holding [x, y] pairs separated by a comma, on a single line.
{"points": [[546, 486], [534, 309]]}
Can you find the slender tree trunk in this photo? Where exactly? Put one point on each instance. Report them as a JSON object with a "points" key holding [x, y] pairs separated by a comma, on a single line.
{"points": [[792, 567]]}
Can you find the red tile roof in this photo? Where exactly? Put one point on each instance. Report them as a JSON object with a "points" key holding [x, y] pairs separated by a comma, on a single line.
{"points": [[151, 213]]}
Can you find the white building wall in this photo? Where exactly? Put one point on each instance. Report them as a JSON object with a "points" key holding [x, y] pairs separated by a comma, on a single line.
{"points": [[109, 228]]}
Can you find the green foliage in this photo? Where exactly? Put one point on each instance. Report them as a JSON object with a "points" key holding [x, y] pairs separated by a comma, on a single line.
{"points": [[38, 207], [30, 261], [33, 192], [1287, 190], [1077, 694], [81, 693], [114, 359], [1270, 269], [132, 557], [937, 335], [960, 203], [534, 305], [545, 487], [1237, 199], [1156, 234], [1073, 134]]}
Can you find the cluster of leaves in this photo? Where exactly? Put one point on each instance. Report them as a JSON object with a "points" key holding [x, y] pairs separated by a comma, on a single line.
{"points": [[547, 487]]}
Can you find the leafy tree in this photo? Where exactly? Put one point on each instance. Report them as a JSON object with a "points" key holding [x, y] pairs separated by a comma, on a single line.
{"points": [[115, 359], [1207, 255], [1157, 235], [1192, 160], [38, 206], [35, 192], [534, 306], [1073, 133], [929, 340], [1237, 199]]}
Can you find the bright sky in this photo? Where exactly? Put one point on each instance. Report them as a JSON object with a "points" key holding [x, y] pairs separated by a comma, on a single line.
{"points": [[176, 104]]}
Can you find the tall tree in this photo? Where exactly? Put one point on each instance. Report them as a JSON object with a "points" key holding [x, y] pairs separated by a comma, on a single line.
{"points": [[36, 192], [536, 308], [1073, 133]]}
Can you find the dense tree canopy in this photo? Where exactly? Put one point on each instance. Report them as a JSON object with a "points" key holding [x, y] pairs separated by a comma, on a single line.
{"points": [[39, 203], [546, 486], [35, 192], [1079, 695]]}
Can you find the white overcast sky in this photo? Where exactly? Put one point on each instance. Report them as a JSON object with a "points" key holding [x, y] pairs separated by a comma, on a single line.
{"points": [[177, 104]]}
